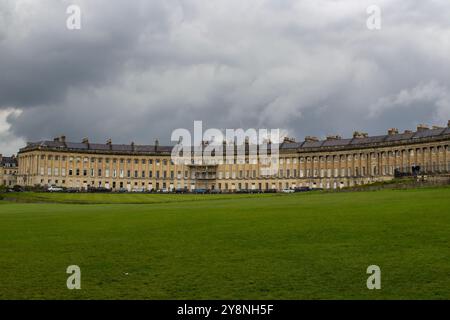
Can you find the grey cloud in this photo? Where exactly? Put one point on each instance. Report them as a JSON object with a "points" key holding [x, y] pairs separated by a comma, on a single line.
{"points": [[137, 70]]}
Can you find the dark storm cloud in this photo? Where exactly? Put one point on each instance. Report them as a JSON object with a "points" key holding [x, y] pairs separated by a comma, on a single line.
{"points": [[139, 69]]}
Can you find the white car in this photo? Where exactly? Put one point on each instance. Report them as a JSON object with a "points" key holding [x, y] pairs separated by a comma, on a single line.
{"points": [[288, 191], [54, 189]]}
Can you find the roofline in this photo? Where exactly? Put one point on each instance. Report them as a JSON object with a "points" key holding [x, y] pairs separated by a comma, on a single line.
{"points": [[300, 147]]}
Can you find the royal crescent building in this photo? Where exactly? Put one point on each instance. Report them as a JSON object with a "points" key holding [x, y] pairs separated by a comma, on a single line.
{"points": [[331, 163]]}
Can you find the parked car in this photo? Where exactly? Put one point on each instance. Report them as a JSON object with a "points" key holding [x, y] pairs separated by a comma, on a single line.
{"points": [[302, 189], [17, 188], [54, 189], [199, 191], [181, 190], [99, 189], [288, 190]]}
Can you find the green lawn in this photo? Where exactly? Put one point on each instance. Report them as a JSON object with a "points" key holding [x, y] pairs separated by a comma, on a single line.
{"points": [[293, 246]]}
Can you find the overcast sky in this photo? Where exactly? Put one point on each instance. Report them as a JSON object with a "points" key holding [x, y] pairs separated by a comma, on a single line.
{"points": [[137, 70]]}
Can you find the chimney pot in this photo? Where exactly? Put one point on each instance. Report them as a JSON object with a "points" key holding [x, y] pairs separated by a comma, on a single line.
{"points": [[422, 127], [311, 139], [289, 139], [359, 135], [334, 137], [392, 131]]}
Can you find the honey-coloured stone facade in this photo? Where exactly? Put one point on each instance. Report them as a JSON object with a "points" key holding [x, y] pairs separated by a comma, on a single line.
{"points": [[8, 171], [331, 163]]}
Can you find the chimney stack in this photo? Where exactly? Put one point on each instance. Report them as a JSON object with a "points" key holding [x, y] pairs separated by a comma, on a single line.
{"points": [[392, 131], [311, 139], [448, 124], [56, 139], [156, 144], [289, 139], [62, 139], [359, 135], [86, 142], [334, 137], [422, 127]]}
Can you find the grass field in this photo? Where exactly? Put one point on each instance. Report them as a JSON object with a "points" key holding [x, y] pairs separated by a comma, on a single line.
{"points": [[293, 246]]}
